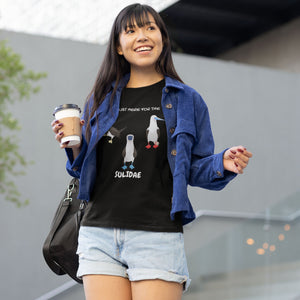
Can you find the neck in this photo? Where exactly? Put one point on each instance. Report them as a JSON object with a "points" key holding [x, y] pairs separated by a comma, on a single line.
{"points": [[140, 78]]}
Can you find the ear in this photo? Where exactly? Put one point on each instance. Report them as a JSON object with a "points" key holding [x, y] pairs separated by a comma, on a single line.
{"points": [[119, 50]]}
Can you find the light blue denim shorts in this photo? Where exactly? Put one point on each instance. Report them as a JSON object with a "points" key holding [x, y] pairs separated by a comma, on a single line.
{"points": [[136, 255]]}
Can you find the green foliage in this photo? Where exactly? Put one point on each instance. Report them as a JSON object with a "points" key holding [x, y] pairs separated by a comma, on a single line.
{"points": [[16, 84]]}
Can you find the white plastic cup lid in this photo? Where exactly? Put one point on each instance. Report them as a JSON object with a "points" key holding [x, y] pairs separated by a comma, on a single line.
{"points": [[66, 106]]}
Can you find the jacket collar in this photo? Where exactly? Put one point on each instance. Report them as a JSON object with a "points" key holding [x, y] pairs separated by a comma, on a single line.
{"points": [[173, 83]]}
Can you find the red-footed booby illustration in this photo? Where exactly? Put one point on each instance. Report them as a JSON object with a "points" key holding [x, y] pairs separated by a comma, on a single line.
{"points": [[153, 132]]}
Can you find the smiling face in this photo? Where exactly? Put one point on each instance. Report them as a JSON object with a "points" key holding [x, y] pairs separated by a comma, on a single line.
{"points": [[141, 46]]}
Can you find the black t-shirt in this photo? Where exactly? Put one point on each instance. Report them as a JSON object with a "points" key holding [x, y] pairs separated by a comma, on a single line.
{"points": [[133, 187]]}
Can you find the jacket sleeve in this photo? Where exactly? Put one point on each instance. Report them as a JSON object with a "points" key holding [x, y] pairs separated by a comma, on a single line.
{"points": [[207, 170], [74, 166]]}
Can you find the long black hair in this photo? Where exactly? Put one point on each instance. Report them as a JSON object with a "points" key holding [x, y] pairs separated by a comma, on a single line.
{"points": [[115, 66]]}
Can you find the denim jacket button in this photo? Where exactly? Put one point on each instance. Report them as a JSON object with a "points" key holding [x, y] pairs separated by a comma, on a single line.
{"points": [[166, 90], [75, 169], [173, 152], [219, 174], [169, 105], [172, 130]]}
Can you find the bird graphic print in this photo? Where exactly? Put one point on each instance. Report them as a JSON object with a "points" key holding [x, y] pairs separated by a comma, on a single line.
{"points": [[153, 132], [129, 153]]}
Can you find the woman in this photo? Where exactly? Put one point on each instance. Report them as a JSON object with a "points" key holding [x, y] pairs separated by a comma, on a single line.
{"points": [[146, 136]]}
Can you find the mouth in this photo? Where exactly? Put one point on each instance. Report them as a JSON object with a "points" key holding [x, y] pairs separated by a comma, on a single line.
{"points": [[143, 49]]}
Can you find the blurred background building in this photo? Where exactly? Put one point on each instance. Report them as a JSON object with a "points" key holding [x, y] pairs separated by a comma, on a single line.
{"points": [[243, 57]]}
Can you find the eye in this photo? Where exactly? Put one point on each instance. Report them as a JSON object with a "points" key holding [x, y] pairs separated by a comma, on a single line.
{"points": [[129, 31], [151, 28]]}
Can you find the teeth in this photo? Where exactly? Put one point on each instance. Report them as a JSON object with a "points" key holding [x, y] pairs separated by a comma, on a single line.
{"points": [[143, 49]]}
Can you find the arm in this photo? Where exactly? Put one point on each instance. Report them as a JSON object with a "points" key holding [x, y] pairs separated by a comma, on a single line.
{"points": [[209, 173], [209, 170], [76, 153]]}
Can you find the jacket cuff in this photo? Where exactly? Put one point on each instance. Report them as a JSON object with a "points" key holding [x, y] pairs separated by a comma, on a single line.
{"points": [[74, 166], [218, 165], [219, 171]]}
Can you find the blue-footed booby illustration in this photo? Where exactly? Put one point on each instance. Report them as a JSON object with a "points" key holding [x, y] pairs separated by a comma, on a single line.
{"points": [[129, 153]]}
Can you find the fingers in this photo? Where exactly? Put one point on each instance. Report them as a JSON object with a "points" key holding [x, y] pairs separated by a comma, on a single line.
{"points": [[239, 169], [56, 128], [240, 156], [245, 152], [64, 145]]}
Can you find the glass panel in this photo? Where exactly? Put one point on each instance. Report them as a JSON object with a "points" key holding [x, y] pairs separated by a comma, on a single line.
{"points": [[254, 259]]}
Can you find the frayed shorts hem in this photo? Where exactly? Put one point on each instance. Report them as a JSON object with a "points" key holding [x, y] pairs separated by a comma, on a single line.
{"points": [[134, 274], [148, 274], [91, 267]]}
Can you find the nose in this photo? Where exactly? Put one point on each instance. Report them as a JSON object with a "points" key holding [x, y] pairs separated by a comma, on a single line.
{"points": [[142, 36]]}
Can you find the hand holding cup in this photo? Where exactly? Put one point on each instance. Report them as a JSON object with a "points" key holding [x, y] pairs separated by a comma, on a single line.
{"points": [[67, 125]]}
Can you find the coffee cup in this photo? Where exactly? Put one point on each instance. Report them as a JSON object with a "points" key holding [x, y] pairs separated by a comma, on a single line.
{"points": [[69, 115]]}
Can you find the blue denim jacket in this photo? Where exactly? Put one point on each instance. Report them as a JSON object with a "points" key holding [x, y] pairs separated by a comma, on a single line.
{"points": [[190, 145]]}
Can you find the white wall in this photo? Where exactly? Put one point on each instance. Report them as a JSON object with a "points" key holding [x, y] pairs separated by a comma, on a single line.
{"points": [[257, 107]]}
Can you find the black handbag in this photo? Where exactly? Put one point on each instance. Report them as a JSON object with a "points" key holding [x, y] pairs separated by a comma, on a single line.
{"points": [[60, 246]]}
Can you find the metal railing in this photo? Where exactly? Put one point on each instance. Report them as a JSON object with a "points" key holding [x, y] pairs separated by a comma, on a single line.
{"points": [[246, 215], [58, 291]]}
